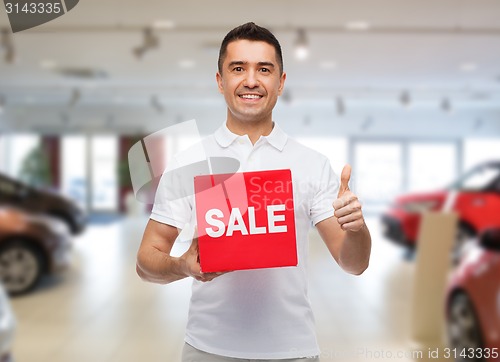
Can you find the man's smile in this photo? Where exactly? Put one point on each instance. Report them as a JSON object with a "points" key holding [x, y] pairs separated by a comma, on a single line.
{"points": [[250, 96]]}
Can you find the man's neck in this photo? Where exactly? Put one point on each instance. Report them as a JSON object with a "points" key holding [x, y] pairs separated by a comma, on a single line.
{"points": [[253, 129]]}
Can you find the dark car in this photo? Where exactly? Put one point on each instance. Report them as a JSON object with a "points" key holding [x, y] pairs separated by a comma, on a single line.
{"points": [[475, 197], [473, 302], [31, 245], [34, 200]]}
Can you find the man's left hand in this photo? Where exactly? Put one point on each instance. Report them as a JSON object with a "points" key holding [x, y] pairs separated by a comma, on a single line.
{"points": [[347, 206]]}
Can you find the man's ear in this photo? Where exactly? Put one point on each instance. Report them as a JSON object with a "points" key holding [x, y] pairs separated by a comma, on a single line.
{"points": [[282, 84], [218, 77]]}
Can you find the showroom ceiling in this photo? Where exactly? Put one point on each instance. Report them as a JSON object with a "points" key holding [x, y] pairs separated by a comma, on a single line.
{"points": [[430, 55]]}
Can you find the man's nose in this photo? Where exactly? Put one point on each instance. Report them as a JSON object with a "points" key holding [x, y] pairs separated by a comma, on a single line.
{"points": [[251, 79]]}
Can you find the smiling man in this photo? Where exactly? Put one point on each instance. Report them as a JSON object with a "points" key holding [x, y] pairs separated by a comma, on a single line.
{"points": [[261, 314]]}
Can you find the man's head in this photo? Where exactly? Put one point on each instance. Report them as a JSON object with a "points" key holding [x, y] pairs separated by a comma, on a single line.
{"points": [[250, 75], [252, 32]]}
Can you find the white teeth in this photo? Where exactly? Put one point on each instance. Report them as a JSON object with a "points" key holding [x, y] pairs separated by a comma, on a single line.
{"points": [[250, 96]]}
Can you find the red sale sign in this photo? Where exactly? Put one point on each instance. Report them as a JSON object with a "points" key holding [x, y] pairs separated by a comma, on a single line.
{"points": [[245, 220]]}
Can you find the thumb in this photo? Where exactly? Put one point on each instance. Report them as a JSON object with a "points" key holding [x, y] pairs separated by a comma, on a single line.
{"points": [[194, 240], [194, 244], [345, 176]]}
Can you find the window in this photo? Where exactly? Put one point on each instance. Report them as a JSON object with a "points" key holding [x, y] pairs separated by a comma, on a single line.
{"points": [[477, 151], [74, 178], [431, 165], [378, 172], [479, 178], [104, 173], [335, 148], [18, 146]]}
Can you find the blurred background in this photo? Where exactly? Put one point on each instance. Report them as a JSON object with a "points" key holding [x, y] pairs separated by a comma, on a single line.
{"points": [[406, 92]]}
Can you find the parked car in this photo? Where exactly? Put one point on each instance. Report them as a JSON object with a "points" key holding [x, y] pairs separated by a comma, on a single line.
{"points": [[7, 327], [473, 302], [21, 195], [30, 246], [475, 197]]}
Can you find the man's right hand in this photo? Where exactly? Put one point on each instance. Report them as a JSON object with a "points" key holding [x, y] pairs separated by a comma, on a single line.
{"points": [[191, 260]]}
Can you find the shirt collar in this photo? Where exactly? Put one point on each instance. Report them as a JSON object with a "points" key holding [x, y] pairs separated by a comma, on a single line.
{"points": [[277, 138]]}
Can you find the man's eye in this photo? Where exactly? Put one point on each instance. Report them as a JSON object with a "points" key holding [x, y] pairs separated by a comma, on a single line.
{"points": [[264, 70], [238, 69]]}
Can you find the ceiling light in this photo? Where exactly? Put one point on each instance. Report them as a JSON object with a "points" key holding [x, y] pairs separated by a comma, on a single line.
{"points": [[328, 65], [446, 105], [81, 73], [358, 25], [150, 41], [48, 64], [187, 63], [340, 106], [301, 45], [468, 67], [164, 24], [405, 99]]}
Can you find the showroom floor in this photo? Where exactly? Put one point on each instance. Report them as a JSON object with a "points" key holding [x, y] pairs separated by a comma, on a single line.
{"points": [[100, 311]]}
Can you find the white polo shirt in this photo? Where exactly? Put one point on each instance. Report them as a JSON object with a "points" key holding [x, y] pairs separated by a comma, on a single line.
{"points": [[263, 313]]}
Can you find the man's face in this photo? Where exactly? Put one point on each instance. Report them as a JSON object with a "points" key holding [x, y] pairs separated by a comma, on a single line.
{"points": [[250, 81]]}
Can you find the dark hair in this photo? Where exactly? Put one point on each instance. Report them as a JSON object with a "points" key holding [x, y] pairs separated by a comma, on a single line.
{"points": [[250, 31]]}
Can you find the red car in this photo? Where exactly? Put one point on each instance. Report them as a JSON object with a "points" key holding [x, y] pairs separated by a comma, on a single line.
{"points": [[473, 302], [475, 197]]}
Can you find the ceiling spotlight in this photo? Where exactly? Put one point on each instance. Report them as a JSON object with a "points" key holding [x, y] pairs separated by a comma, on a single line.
{"points": [[340, 106], [405, 99], [446, 105], [65, 120], [109, 122], [2, 103], [301, 45], [156, 104], [478, 124], [150, 41], [307, 120], [367, 123], [76, 94], [286, 96], [7, 45]]}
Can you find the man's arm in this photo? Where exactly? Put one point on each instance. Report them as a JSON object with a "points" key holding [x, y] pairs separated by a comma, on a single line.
{"points": [[346, 234], [154, 263], [351, 249]]}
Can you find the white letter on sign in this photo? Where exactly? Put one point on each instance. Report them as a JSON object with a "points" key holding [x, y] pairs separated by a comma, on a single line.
{"points": [[211, 220], [254, 229], [236, 223], [271, 219]]}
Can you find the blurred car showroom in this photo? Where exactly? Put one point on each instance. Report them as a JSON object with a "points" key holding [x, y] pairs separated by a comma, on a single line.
{"points": [[407, 92]]}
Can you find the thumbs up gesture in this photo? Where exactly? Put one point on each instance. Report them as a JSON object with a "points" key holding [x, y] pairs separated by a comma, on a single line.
{"points": [[347, 206]]}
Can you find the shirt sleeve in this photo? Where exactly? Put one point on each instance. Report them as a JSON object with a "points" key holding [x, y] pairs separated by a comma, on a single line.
{"points": [[326, 192], [173, 201]]}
